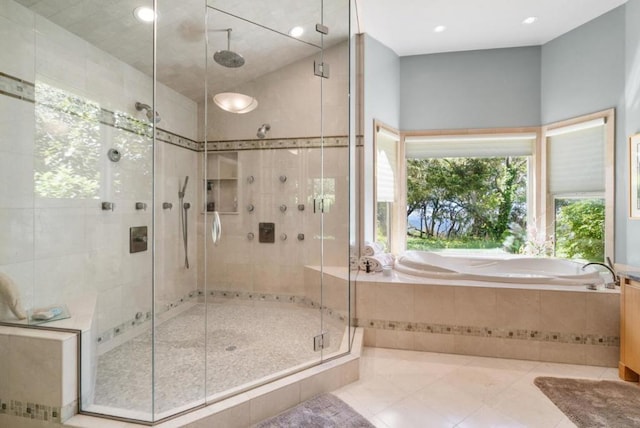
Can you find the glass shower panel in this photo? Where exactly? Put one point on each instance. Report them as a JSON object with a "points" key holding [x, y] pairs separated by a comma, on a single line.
{"points": [[261, 177], [92, 161], [179, 327], [335, 176]]}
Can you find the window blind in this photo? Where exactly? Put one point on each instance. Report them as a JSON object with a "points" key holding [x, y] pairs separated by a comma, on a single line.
{"points": [[575, 161], [474, 146], [386, 168]]}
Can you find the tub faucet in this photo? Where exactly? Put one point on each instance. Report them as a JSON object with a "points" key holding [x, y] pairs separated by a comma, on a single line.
{"points": [[616, 279]]}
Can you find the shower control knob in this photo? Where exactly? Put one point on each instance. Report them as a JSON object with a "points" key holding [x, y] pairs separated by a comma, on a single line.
{"points": [[141, 206], [283, 236], [250, 179], [283, 178], [250, 236], [250, 207], [300, 207], [283, 208], [167, 205], [300, 236], [108, 206]]}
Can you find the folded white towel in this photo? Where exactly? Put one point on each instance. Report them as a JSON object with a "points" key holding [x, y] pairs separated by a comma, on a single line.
{"points": [[10, 294], [372, 248], [353, 263], [376, 262]]}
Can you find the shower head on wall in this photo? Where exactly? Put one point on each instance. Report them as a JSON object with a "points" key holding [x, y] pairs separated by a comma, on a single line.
{"points": [[228, 58], [153, 117], [262, 131]]}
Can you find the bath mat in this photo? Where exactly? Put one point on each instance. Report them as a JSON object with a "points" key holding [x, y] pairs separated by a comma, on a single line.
{"points": [[323, 411], [594, 403]]}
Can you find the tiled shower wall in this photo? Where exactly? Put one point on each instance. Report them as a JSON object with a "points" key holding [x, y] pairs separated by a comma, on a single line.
{"points": [[239, 263], [59, 245]]}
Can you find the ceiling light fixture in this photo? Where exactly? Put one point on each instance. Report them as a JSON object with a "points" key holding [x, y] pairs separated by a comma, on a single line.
{"points": [[144, 14], [530, 20], [235, 103], [296, 31], [439, 29]]}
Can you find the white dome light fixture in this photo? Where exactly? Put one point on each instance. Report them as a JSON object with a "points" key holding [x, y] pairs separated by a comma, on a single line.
{"points": [[296, 32], [144, 14], [529, 20], [439, 29], [234, 102]]}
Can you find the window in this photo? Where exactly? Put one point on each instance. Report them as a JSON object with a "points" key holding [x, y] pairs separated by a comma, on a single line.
{"points": [[542, 182], [467, 191], [386, 191]]}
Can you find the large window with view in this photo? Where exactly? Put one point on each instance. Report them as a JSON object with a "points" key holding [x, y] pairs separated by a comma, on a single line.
{"points": [[468, 192], [544, 191]]}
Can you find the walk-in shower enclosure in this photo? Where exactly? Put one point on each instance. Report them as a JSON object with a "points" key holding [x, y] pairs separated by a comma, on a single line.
{"points": [[205, 261]]}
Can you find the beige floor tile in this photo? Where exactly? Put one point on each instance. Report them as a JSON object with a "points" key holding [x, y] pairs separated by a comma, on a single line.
{"points": [[410, 413], [486, 417]]}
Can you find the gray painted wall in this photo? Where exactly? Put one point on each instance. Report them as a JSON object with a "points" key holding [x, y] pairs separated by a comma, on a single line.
{"points": [[583, 71], [628, 232], [473, 89], [382, 102]]}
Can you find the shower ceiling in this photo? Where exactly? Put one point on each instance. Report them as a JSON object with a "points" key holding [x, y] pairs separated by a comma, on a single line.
{"points": [[111, 27]]}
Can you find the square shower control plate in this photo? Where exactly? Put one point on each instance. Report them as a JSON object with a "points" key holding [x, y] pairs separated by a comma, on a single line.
{"points": [[267, 232], [137, 239]]}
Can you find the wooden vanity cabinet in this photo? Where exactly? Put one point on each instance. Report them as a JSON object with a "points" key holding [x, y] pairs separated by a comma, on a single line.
{"points": [[629, 365]]}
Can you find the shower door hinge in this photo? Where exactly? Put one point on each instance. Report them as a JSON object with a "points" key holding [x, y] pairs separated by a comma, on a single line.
{"points": [[321, 341], [321, 206], [323, 29], [321, 69]]}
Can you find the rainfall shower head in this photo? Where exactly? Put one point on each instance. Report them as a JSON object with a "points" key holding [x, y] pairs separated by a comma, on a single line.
{"points": [[262, 131], [153, 117], [228, 58]]}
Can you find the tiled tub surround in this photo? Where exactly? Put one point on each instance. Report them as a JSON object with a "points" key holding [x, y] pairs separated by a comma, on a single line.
{"points": [[554, 323]]}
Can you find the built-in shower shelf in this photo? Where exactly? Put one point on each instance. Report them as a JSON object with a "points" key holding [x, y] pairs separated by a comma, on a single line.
{"points": [[222, 182]]}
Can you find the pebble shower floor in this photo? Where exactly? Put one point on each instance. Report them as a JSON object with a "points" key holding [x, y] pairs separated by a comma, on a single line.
{"points": [[245, 341]]}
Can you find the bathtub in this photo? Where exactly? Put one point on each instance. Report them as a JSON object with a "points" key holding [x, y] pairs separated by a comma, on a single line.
{"points": [[507, 269]]}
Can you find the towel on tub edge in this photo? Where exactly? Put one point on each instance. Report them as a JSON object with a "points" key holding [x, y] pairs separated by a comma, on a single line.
{"points": [[376, 262], [372, 248]]}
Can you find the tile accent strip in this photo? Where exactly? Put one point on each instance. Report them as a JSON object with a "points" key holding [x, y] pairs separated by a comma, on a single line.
{"points": [[502, 333], [40, 412], [16, 88], [281, 143], [198, 296], [23, 90]]}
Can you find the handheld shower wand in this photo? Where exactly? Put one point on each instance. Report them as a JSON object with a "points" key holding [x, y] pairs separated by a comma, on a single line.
{"points": [[184, 206]]}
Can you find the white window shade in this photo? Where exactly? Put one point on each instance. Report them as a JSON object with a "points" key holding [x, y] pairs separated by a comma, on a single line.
{"points": [[469, 146], [386, 169], [575, 161]]}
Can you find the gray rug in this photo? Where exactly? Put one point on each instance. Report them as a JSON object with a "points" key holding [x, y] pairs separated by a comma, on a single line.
{"points": [[323, 411], [594, 403]]}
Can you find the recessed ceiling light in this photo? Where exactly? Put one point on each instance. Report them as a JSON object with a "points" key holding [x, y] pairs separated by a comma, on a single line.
{"points": [[144, 14], [439, 29], [296, 31], [530, 20]]}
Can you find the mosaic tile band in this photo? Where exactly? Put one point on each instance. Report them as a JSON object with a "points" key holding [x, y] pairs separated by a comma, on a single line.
{"points": [[36, 411], [502, 333], [198, 295], [20, 89]]}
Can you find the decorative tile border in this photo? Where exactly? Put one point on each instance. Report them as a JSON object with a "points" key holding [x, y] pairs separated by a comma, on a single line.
{"points": [[198, 295], [23, 90], [502, 333], [40, 412], [281, 143], [16, 88]]}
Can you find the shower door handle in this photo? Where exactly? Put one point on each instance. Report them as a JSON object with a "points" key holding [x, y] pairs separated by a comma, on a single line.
{"points": [[216, 228]]}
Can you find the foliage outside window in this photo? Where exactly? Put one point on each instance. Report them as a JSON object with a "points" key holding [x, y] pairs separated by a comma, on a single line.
{"points": [[579, 228], [465, 202]]}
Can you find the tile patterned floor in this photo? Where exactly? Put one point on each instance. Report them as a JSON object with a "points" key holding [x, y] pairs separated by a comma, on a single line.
{"points": [[423, 389]]}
